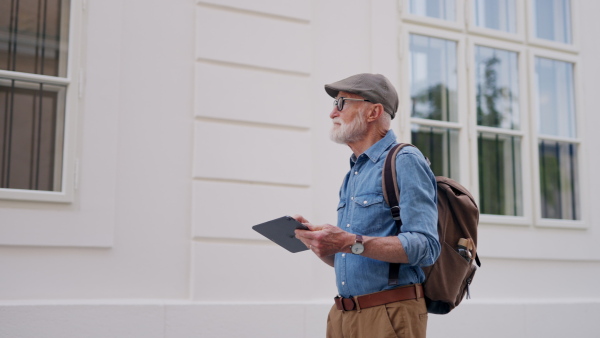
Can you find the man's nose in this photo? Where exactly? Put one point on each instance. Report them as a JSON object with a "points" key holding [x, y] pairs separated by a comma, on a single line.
{"points": [[334, 113]]}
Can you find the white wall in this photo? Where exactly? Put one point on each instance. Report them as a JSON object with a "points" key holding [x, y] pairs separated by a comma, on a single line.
{"points": [[200, 120]]}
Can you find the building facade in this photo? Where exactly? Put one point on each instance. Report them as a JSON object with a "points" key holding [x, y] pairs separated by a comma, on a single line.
{"points": [[141, 140]]}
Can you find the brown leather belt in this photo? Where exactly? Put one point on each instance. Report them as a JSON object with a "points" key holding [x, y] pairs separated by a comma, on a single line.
{"points": [[414, 291]]}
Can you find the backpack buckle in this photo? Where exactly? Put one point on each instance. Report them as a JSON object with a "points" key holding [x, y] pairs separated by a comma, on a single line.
{"points": [[395, 213]]}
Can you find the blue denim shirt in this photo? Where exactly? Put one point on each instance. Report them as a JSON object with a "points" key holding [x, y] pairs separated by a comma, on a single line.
{"points": [[363, 210]]}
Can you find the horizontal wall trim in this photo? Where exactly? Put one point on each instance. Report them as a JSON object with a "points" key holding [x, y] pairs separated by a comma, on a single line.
{"points": [[272, 184], [251, 12], [535, 259], [251, 124], [253, 67], [236, 241], [327, 302]]}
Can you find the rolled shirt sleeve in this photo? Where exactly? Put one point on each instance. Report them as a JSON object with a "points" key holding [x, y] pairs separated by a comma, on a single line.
{"points": [[418, 208]]}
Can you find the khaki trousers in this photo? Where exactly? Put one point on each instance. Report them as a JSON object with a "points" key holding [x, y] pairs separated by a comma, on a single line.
{"points": [[407, 318]]}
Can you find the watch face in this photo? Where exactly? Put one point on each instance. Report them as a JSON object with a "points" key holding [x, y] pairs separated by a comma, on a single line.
{"points": [[357, 248]]}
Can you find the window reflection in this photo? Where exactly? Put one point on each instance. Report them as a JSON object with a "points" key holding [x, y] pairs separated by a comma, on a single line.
{"points": [[497, 88], [496, 14], [440, 9], [556, 105], [553, 20], [433, 78]]}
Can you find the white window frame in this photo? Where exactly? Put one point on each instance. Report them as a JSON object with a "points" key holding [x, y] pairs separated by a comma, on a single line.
{"points": [[543, 43], [579, 122], [457, 25], [72, 81], [463, 117], [472, 27], [526, 219]]}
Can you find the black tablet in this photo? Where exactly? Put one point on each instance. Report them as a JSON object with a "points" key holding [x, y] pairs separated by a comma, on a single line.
{"points": [[281, 231]]}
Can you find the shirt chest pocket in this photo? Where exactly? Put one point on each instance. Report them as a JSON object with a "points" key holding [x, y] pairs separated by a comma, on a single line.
{"points": [[368, 211], [368, 200]]}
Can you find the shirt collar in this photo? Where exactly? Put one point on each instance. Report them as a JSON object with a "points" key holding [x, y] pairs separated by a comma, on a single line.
{"points": [[375, 151]]}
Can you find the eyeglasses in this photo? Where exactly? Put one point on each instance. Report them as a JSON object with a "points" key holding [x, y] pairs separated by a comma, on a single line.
{"points": [[340, 102]]}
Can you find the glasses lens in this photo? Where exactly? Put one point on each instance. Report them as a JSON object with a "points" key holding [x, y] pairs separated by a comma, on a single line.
{"points": [[340, 103]]}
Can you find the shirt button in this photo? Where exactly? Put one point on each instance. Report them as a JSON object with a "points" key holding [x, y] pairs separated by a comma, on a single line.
{"points": [[343, 283], [344, 255], [352, 198], [356, 173], [347, 225], [365, 202]]}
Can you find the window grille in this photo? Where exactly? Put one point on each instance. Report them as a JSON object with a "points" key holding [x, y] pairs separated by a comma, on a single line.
{"points": [[33, 86]]}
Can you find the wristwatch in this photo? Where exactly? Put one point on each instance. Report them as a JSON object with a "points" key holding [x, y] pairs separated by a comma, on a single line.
{"points": [[357, 248]]}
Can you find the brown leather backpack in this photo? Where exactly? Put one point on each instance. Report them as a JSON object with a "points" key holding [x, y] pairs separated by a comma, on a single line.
{"points": [[448, 279]]}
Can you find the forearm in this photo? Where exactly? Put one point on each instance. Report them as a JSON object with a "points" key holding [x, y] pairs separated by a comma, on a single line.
{"points": [[327, 240], [386, 249]]}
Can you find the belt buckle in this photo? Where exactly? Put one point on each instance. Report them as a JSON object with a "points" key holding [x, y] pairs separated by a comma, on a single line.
{"points": [[351, 303]]}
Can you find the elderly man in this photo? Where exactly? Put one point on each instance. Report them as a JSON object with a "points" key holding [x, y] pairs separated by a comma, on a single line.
{"points": [[366, 239]]}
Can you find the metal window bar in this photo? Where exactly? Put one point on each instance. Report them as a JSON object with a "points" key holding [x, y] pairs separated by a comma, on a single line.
{"points": [[514, 175], [12, 39], [559, 181], [543, 179], [481, 171], [36, 139], [8, 122], [448, 150], [572, 174], [499, 196], [43, 47]]}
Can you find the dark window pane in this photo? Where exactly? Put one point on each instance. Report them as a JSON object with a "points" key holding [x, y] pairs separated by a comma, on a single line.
{"points": [[559, 180], [440, 145], [500, 182], [32, 116], [33, 36]]}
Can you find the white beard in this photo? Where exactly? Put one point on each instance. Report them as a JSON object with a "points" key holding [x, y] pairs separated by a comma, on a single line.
{"points": [[350, 132]]}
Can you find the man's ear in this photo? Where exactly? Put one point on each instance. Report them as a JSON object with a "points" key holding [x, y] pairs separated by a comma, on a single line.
{"points": [[375, 112]]}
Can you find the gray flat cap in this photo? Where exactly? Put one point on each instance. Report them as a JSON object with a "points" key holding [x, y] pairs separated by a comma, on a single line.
{"points": [[373, 87]]}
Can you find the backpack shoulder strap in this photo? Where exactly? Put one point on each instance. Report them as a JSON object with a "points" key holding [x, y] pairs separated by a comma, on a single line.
{"points": [[391, 194], [389, 182]]}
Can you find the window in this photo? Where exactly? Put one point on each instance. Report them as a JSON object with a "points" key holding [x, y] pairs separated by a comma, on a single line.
{"points": [[558, 145], [498, 116], [440, 9], [518, 131], [496, 14], [553, 20], [433, 94], [33, 93]]}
